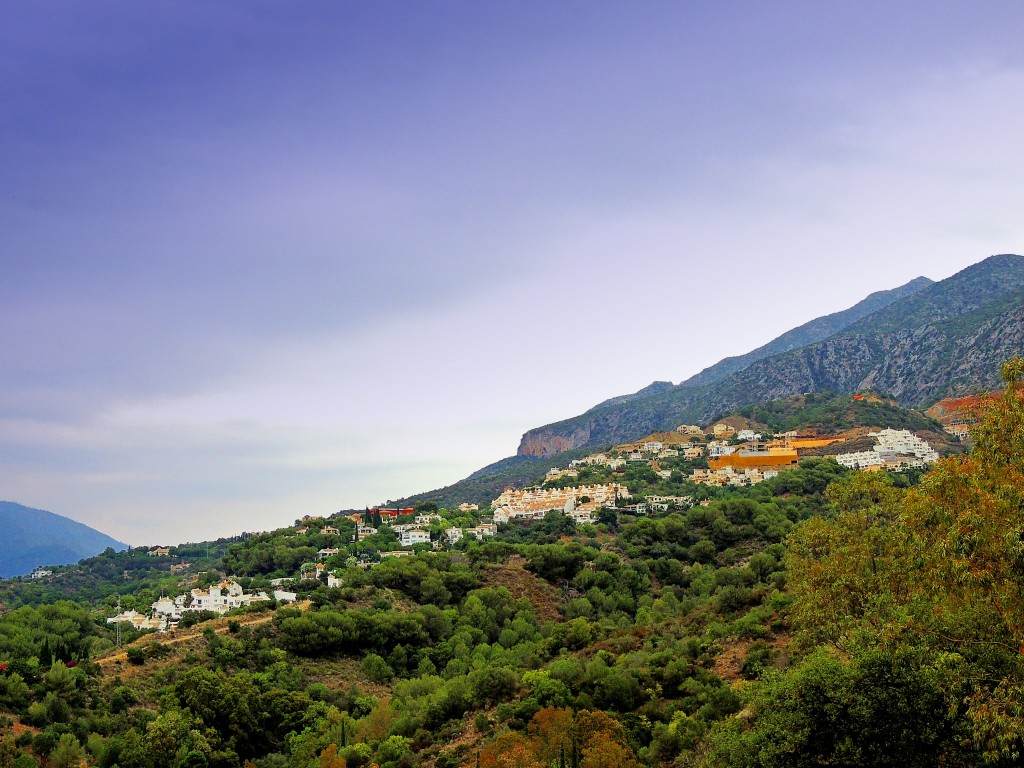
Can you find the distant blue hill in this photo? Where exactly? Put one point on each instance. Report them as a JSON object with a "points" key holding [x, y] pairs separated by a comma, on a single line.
{"points": [[34, 537]]}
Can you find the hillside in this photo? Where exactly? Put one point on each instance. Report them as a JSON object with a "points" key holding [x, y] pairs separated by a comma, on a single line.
{"points": [[743, 626], [812, 332], [34, 537], [945, 338]]}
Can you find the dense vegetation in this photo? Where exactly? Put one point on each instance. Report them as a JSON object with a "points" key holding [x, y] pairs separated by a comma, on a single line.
{"points": [[823, 617], [830, 413]]}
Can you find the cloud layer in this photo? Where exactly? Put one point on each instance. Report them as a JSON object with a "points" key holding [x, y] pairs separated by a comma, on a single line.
{"points": [[260, 262]]}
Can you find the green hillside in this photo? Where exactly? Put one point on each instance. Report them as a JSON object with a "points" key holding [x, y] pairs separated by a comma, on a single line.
{"points": [[822, 617]]}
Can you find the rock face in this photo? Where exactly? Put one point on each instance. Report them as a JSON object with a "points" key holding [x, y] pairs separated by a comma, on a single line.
{"points": [[930, 340], [546, 445]]}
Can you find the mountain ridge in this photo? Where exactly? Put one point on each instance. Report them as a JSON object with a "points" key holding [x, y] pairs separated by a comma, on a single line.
{"points": [[866, 353], [933, 339], [36, 537]]}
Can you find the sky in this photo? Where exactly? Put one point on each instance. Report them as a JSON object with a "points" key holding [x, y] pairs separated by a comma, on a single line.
{"points": [[260, 260]]}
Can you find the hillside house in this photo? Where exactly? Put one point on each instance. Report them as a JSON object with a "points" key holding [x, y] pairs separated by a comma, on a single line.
{"points": [[326, 552], [160, 552], [482, 530], [223, 597], [690, 429], [139, 620], [467, 507], [40, 573], [329, 530], [453, 535], [415, 536]]}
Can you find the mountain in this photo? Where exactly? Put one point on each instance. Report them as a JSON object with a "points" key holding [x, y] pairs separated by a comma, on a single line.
{"points": [[918, 342], [34, 537], [934, 340], [816, 330]]}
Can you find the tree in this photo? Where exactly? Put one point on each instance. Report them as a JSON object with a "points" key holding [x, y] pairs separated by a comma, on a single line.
{"points": [[68, 753]]}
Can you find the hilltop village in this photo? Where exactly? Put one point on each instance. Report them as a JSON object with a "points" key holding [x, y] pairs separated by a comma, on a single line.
{"points": [[658, 474]]}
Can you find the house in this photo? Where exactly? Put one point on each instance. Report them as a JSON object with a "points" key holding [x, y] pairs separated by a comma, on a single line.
{"points": [[415, 536], [40, 573], [397, 553], [482, 530], [433, 517], [301, 531], [391, 514], [285, 597], [453, 535], [717, 449], [310, 571], [362, 531], [467, 507], [326, 552], [721, 429], [329, 530], [223, 597], [160, 552], [582, 516], [333, 581], [138, 620], [168, 608], [693, 452], [665, 473]]}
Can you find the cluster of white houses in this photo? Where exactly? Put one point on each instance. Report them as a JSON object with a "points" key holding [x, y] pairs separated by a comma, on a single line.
{"points": [[220, 598], [894, 449], [729, 475], [578, 502]]}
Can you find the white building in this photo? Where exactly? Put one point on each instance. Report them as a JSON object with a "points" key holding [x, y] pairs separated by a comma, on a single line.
{"points": [[482, 530], [893, 448], [222, 598], [139, 620], [415, 536], [453, 535]]}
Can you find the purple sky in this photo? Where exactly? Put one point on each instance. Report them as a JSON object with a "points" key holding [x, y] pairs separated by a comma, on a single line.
{"points": [[261, 260]]}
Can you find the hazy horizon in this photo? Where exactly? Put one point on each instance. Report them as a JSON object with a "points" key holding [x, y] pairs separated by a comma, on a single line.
{"points": [[265, 261]]}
